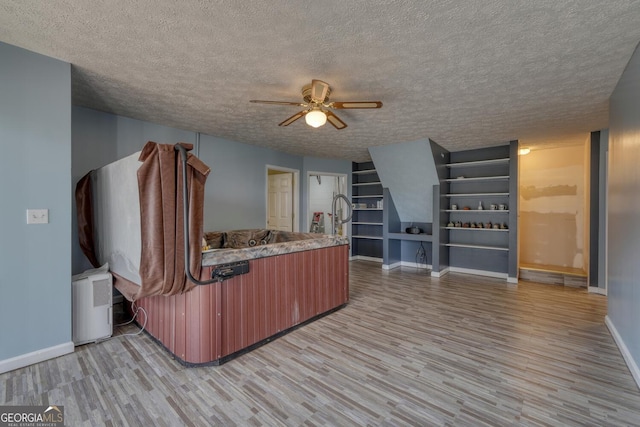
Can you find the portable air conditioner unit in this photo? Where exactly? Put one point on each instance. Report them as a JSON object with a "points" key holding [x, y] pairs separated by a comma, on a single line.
{"points": [[92, 307]]}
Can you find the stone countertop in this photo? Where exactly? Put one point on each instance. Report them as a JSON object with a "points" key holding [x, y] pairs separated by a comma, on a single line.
{"points": [[222, 256]]}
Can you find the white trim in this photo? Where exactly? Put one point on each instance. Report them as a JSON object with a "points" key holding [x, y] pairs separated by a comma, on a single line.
{"points": [[391, 266], [440, 273], [478, 272], [296, 195], [512, 280], [365, 258], [597, 290], [406, 264], [631, 364], [35, 357]]}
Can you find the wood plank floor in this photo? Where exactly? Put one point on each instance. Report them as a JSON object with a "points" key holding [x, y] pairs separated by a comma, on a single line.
{"points": [[407, 350]]}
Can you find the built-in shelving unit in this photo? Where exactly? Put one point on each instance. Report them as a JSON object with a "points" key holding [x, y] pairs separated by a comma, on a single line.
{"points": [[367, 202], [479, 192]]}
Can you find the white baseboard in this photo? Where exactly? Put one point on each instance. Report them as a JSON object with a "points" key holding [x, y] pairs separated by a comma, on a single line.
{"points": [[391, 266], [440, 273], [405, 264], [365, 258], [597, 290], [478, 272], [35, 357], [631, 364]]}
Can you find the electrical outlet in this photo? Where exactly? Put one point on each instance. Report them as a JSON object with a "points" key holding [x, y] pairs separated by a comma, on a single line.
{"points": [[37, 216]]}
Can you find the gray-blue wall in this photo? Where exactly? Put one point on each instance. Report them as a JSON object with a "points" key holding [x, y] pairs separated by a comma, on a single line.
{"points": [[409, 172], [235, 194], [35, 172], [624, 211]]}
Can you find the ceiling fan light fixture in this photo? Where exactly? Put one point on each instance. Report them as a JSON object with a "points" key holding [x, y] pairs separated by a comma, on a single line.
{"points": [[317, 108], [315, 118]]}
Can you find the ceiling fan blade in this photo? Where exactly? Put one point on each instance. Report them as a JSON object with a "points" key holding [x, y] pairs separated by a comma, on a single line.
{"points": [[293, 118], [297, 104], [319, 90], [335, 120], [358, 104]]}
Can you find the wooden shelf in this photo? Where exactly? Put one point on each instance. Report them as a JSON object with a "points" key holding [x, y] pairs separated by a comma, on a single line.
{"points": [[475, 194], [478, 163], [361, 184], [364, 172], [476, 229], [491, 248], [422, 237], [360, 236], [475, 211], [480, 178]]}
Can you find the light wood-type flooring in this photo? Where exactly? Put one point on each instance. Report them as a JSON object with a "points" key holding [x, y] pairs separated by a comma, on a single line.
{"points": [[407, 350]]}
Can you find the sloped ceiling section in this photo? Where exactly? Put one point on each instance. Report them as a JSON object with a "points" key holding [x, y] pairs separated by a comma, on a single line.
{"points": [[409, 172]]}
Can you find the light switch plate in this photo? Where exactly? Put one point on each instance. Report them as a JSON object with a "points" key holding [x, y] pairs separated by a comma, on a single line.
{"points": [[37, 216]]}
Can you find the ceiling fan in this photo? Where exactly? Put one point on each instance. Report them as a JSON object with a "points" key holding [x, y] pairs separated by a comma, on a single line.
{"points": [[317, 106]]}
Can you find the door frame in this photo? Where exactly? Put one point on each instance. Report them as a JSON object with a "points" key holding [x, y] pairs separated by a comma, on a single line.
{"points": [[295, 203], [307, 220]]}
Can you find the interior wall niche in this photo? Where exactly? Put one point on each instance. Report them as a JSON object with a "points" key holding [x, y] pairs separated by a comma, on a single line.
{"points": [[553, 207]]}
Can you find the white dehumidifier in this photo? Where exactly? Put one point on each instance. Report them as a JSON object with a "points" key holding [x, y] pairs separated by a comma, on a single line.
{"points": [[92, 306]]}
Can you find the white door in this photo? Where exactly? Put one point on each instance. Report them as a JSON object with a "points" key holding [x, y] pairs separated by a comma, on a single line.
{"points": [[280, 202]]}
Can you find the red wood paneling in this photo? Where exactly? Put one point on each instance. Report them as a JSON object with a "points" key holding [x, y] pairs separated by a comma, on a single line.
{"points": [[279, 292]]}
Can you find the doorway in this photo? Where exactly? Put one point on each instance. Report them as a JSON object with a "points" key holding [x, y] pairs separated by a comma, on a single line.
{"points": [[282, 198], [322, 188]]}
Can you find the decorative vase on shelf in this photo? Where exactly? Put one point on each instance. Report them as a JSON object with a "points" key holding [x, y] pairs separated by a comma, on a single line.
{"points": [[480, 206]]}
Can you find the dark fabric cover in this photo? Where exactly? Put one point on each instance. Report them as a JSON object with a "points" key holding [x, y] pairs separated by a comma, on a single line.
{"points": [[84, 207], [162, 269]]}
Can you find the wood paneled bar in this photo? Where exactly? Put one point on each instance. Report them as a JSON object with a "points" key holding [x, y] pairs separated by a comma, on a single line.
{"points": [[214, 323]]}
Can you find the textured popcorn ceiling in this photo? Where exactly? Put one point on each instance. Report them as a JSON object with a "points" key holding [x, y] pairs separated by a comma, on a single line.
{"points": [[466, 74]]}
